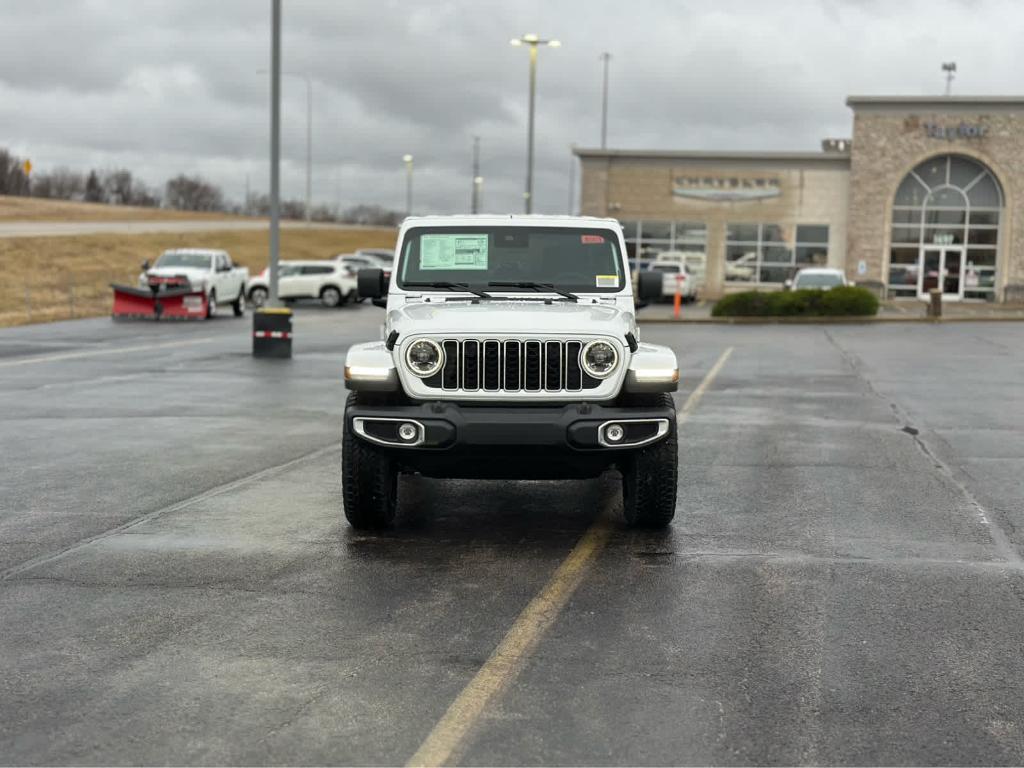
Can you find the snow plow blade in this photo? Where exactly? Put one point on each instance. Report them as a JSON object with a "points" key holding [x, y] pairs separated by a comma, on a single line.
{"points": [[158, 302]]}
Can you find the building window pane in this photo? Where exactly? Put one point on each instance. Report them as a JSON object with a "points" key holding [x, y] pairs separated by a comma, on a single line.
{"points": [[981, 257], [774, 233], [649, 249], [946, 197], [741, 263], [629, 229], [906, 235], [944, 235], [988, 218], [933, 216], [742, 232], [777, 254], [691, 231], [906, 216], [933, 172], [985, 194], [656, 230], [811, 256], [911, 192], [774, 274], [812, 234], [982, 236]]}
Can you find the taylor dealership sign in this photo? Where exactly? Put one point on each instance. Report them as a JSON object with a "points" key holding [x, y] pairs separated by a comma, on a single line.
{"points": [[951, 132]]}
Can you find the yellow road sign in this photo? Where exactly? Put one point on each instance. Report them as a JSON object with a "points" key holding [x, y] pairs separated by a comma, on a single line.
{"points": [[27, 167]]}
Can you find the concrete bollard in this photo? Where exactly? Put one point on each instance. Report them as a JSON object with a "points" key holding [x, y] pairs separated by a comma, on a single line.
{"points": [[272, 332], [935, 303]]}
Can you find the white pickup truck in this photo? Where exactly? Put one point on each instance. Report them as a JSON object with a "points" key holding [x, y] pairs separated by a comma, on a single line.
{"points": [[208, 270]]}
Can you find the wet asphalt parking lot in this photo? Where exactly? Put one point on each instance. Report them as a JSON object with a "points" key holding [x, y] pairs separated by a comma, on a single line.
{"points": [[843, 583]]}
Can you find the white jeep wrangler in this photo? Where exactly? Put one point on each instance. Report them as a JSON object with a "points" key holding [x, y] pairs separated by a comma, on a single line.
{"points": [[510, 351]]}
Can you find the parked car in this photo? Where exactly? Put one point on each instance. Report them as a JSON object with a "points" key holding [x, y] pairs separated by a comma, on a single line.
{"points": [[817, 277], [676, 275], [696, 262], [208, 270], [330, 281]]}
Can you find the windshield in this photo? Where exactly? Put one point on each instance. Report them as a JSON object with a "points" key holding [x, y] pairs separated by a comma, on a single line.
{"points": [[576, 259], [818, 281], [193, 260]]}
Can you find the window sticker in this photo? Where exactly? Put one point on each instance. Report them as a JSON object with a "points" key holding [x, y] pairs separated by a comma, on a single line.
{"points": [[607, 281], [591, 239], [453, 252]]}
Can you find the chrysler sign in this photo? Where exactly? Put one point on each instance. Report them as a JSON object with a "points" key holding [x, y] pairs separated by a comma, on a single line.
{"points": [[725, 189]]}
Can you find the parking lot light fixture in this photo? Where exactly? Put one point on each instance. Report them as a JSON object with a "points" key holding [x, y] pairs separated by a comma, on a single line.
{"points": [[533, 41], [407, 159]]}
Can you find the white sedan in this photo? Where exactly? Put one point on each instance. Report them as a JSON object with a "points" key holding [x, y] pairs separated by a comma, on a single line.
{"points": [[332, 282], [818, 277], [675, 277]]}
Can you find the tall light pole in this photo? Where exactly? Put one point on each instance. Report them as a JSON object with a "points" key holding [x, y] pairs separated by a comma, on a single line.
{"points": [[475, 199], [533, 41], [605, 57], [275, 146], [309, 139], [407, 159], [572, 177], [949, 67]]}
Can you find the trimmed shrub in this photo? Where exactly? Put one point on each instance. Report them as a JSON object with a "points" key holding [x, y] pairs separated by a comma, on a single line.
{"points": [[844, 301]]}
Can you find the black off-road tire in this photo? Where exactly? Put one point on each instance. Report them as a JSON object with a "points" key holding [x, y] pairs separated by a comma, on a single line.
{"points": [[650, 478], [369, 480]]}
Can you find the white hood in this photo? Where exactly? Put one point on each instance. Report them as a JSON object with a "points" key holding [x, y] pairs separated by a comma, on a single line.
{"points": [[510, 317], [196, 277]]}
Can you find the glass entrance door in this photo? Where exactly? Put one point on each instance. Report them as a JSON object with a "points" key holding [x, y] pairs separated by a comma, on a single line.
{"points": [[941, 268]]}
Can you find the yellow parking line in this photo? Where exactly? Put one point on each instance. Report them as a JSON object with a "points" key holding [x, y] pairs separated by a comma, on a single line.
{"points": [[504, 664], [97, 352]]}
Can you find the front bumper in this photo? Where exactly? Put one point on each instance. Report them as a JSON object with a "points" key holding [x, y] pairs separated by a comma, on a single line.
{"points": [[445, 439], [445, 425]]}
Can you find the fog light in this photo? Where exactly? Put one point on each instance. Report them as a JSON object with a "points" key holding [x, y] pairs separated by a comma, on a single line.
{"points": [[408, 432], [613, 433]]}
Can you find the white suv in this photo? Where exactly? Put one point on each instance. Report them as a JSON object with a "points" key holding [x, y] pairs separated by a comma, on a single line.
{"points": [[330, 281], [510, 350]]}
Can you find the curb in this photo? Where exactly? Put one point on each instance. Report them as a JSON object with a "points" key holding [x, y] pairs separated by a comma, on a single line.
{"points": [[853, 320]]}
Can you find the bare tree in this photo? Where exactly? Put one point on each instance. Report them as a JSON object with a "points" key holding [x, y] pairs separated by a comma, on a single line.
{"points": [[93, 189], [59, 184], [192, 193], [13, 180], [117, 187]]}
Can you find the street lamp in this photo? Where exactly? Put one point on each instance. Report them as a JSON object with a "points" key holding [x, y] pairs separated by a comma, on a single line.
{"points": [[407, 159], [533, 41]]}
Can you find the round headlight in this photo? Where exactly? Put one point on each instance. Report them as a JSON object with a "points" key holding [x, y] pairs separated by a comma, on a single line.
{"points": [[424, 357], [599, 359]]}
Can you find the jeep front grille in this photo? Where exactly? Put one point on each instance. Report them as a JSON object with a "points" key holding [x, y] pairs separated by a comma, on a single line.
{"points": [[512, 365]]}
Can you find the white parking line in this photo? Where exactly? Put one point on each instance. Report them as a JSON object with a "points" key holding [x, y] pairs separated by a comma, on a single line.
{"points": [[98, 352]]}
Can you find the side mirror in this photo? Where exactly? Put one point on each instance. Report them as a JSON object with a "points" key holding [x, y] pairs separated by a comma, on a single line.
{"points": [[145, 265], [788, 285], [382, 303], [370, 283], [649, 285]]}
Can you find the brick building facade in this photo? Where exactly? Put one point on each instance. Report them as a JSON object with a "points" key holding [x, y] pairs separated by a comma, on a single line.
{"points": [[927, 194]]}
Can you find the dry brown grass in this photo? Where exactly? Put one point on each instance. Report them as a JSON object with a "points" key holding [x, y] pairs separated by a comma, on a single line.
{"points": [[38, 209], [56, 278]]}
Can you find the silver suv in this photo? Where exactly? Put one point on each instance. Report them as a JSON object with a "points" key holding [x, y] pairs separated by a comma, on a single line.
{"points": [[510, 350]]}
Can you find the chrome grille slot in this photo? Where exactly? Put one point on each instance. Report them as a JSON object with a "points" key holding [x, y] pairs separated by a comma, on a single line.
{"points": [[552, 366], [492, 366], [532, 379], [512, 365], [471, 365], [573, 371]]}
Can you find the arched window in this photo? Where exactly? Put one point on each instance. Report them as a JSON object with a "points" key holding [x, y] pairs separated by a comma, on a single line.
{"points": [[945, 229]]}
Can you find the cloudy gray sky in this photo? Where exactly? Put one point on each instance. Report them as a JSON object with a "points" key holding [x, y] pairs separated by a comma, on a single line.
{"points": [[174, 86]]}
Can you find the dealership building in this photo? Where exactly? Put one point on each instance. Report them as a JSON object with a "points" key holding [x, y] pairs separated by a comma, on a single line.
{"points": [[928, 193]]}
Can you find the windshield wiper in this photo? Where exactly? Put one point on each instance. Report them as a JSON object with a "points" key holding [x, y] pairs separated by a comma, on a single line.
{"points": [[535, 286], [450, 286]]}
